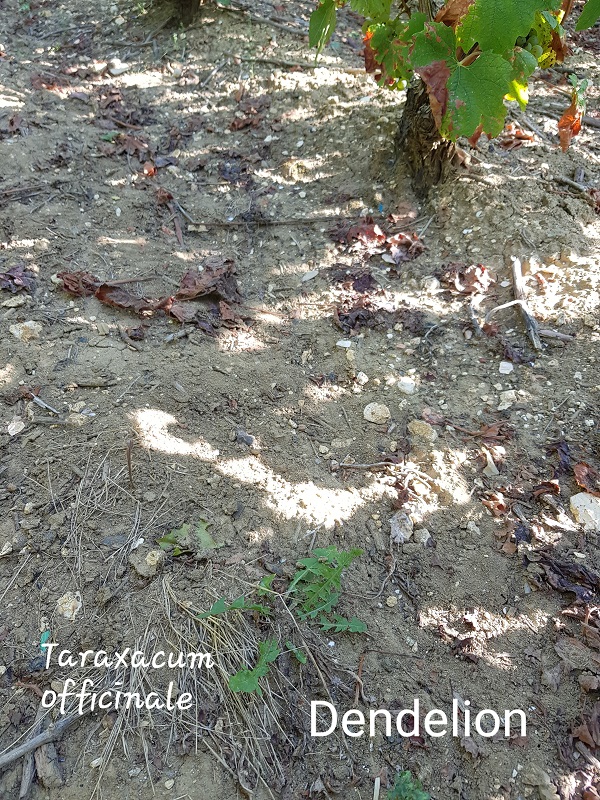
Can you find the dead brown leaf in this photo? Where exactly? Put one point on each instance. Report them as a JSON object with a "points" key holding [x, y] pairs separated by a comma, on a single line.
{"points": [[588, 478], [569, 124], [217, 277], [453, 11], [80, 283]]}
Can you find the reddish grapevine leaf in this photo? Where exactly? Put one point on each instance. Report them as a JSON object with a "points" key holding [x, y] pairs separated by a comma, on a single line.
{"points": [[588, 478], [569, 124], [453, 12], [590, 794], [476, 136], [404, 247], [372, 66], [497, 504], [403, 215], [436, 77], [81, 284], [239, 123]]}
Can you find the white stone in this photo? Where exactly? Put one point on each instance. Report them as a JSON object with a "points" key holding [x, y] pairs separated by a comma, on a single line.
{"points": [[26, 331], [422, 536], [407, 385], [69, 605], [117, 67], [376, 412], [361, 378], [507, 399], [343, 343], [505, 368], [586, 510], [401, 527]]}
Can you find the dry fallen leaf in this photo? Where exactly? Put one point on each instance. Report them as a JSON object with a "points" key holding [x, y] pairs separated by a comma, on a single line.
{"points": [[588, 478], [569, 124]]}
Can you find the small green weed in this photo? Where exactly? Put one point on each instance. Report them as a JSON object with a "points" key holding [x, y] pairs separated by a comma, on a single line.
{"points": [[317, 586], [407, 788], [190, 538], [240, 604], [314, 591], [246, 680]]}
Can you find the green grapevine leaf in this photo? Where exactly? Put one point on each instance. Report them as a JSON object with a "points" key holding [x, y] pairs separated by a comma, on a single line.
{"points": [[497, 25], [524, 65], [374, 9], [190, 537], [391, 43], [463, 97], [589, 16], [436, 42], [322, 25], [264, 587], [246, 680]]}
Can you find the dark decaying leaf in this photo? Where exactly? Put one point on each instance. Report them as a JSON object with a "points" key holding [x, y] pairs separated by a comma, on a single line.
{"points": [[588, 731], [564, 457], [364, 283], [588, 478], [546, 487], [137, 334], [80, 283], [432, 417], [17, 278], [572, 578], [118, 297], [217, 277], [182, 312], [354, 319]]}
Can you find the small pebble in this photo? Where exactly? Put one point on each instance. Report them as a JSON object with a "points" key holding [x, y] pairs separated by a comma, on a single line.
{"points": [[407, 385], [377, 413]]}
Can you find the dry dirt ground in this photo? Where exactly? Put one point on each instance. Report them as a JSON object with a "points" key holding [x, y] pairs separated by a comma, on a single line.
{"points": [[207, 151]]}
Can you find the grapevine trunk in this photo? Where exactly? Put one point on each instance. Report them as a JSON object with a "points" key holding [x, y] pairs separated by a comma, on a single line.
{"points": [[428, 156]]}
